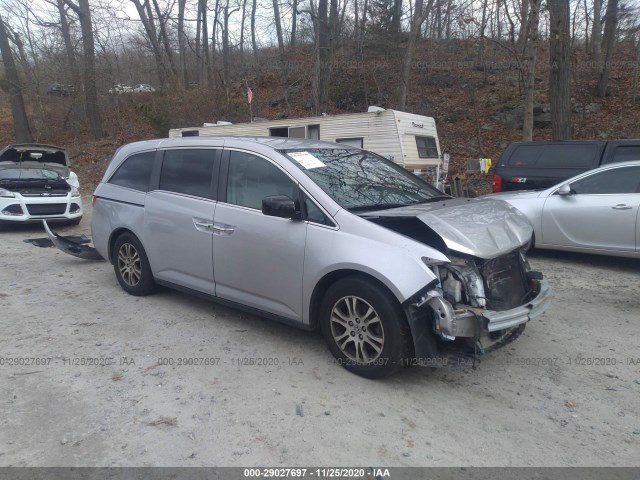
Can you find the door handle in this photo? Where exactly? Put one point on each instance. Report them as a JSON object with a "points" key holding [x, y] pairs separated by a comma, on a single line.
{"points": [[202, 225], [223, 229], [622, 206]]}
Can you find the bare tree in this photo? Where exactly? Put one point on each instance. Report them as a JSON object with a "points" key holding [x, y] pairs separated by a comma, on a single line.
{"points": [[92, 108], [322, 75], [242, 22], [609, 41], [182, 40], [68, 43], [294, 22], [530, 54], [596, 32], [21, 127], [419, 16], [254, 44], [560, 71], [278, 22]]}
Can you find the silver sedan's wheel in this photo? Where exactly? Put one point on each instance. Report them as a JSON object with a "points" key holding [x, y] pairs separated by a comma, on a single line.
{"points": [[129, 264], [357, 329]]}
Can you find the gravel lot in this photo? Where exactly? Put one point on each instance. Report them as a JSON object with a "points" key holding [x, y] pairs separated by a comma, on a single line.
{"points": [[566, 393]]}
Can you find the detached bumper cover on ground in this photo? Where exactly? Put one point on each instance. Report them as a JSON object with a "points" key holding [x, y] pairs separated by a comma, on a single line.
{"points": [[79, 250]]}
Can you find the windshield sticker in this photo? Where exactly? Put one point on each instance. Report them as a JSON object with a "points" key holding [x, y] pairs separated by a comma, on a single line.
{"points": [[307, 160]]}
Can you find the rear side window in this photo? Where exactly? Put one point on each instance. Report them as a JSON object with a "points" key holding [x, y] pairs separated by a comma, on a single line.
{"points": [[615, 181], [427, 147], [554, 156], [188, 171], [624, 153], [135, 172]]}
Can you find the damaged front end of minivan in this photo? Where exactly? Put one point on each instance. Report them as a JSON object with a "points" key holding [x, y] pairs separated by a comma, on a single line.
{"points": [[485, 294]]}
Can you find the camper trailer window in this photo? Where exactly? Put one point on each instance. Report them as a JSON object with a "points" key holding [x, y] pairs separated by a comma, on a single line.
{"points": [[427, 147], [360, 180], [352, 142]]}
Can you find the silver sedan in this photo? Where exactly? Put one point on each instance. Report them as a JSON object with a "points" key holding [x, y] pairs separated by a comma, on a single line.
{"points": [[594, 212]]}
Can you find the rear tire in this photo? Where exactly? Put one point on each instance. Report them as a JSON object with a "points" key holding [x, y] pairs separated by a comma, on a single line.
{"points": [[132, 266], [364, 327]]}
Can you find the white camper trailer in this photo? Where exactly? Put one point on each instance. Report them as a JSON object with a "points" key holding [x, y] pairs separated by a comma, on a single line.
{"points": [[405, 138]]}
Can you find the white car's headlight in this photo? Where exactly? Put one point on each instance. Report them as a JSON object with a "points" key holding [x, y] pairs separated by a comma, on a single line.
{"points": [[4, 193], [75, 192]]}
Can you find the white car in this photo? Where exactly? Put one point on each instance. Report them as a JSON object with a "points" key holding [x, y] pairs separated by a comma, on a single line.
{"points": [[120, 88], [143, 88], [36, 183]]}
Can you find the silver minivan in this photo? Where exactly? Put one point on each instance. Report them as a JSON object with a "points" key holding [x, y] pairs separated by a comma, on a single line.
{"points": [[321, 236]]}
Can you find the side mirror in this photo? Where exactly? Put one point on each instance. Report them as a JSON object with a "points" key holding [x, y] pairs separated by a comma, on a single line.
{"points": [[565, 190], [280, 206]]}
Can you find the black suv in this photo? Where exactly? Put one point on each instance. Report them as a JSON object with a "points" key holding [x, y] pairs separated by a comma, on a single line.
{"points": [[59, 89], [539, 165]]}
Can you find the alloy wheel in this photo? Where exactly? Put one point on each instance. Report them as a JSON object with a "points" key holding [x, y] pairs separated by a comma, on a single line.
{"points": [[357, 329]]}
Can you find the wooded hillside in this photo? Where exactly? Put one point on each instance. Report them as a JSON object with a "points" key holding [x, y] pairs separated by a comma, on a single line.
{"points": [[489, 71]]}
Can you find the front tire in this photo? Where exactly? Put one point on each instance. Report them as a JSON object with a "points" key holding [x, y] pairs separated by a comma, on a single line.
{"points": [[132, 266], [364, 327]]}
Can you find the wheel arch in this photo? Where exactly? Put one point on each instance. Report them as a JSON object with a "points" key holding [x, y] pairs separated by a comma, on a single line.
{"points": [[114, 237], [332, 277]]}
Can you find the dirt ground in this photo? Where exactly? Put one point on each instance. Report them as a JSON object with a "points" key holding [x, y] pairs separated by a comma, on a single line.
{"points": [[565, 394]]}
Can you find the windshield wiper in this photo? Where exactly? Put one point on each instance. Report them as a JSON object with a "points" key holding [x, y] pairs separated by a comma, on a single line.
{"points": [[437, 198], [383, 206]]}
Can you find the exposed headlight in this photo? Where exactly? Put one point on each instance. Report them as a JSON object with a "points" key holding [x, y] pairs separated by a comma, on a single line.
{"points": [[4, 193], [75, 192]]}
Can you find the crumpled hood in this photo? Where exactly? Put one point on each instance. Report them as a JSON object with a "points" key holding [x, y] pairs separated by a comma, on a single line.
{"points": [[482, 227]]}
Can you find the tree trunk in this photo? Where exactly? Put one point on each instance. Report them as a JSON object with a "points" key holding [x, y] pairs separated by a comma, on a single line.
{"points": [[278, 22], [524, 20], [182, 43], [396, 16], [333, 24], [90, 91], [609, 42], [419, 16], [242, 22], [531, 50], [147, 19], [92, 107], [294, 22], [205, 43], [21, 127], [586, 27], [634, 90], [68, 43], [254, 44], [226, 56], [596, 32], [323, 58], [560, 71], [197, 48], [356, 25], [162, 21], [512, 27]]}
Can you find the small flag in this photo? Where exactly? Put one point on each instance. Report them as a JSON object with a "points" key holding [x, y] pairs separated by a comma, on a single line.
{"points": [[249, 95]]}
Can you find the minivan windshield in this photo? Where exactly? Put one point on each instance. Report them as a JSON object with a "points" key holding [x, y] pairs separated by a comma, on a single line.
{"points": [[359, 180]]}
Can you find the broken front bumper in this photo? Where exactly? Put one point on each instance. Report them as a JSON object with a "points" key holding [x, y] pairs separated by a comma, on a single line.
{"points": [[464, 321]]}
